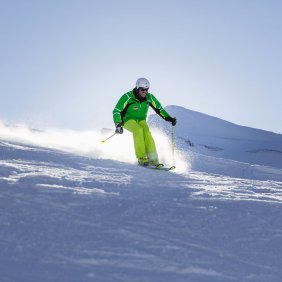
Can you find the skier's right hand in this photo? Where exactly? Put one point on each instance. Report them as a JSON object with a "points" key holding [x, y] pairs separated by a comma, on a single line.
{"points": [[119, 129]]}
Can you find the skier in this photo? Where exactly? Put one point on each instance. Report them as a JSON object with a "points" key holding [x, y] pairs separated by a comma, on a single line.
{"points": [[131, 112]]}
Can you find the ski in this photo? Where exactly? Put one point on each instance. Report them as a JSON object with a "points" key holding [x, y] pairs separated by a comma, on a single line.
{"points": [[160, 167]]}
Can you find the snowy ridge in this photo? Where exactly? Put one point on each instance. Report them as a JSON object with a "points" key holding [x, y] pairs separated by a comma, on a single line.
{"points": [[214, 144]]}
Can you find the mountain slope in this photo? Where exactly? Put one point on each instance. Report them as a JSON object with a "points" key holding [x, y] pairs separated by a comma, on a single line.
{"points": [[205, 136], [66, 217]]}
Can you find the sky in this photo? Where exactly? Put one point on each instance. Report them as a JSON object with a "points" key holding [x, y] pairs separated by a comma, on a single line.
{"points": [[65, 63]]}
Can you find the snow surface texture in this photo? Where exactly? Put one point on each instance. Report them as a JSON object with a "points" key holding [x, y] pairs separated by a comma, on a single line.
{"points": [[73, 209]]}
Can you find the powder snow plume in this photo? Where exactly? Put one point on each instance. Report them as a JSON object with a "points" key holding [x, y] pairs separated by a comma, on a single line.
{"points": [[88, 143]]}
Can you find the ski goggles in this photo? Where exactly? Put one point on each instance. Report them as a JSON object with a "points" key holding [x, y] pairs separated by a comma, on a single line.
{"points": [[143, 89]]}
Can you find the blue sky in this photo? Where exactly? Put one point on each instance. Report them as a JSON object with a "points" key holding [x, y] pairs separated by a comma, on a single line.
{"points": [[65, 63]]}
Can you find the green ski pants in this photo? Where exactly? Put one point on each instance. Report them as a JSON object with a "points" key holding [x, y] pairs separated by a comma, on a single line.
{"points": [[144, 144]]}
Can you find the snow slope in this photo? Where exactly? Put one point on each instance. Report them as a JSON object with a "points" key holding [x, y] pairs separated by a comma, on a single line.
{"points": [[218, 146], [68, 217], [74, 209]]}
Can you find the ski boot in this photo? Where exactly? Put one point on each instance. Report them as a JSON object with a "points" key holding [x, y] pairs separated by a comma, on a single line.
{"points": [[143, 162], [155, 163]]}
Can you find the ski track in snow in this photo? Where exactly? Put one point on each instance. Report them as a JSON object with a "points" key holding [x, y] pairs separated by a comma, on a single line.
{"points": [[70, 218]]}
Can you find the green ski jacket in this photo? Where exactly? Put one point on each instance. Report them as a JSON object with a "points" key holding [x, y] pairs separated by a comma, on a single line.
{"points": [[130, 107]]}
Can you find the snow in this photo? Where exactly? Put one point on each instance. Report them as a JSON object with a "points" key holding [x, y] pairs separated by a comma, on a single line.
{"points": [[221, 147], [73, 209]]}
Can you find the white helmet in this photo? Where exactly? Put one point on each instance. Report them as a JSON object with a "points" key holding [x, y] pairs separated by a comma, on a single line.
{"points": [[142, 82]]}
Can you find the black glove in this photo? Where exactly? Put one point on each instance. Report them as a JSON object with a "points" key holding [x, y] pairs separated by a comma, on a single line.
{"points": [[172, 120], [119, 129]]}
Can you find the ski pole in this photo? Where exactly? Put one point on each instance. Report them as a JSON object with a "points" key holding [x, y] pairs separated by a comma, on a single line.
{"points": [[103, 141], [172, 143]]}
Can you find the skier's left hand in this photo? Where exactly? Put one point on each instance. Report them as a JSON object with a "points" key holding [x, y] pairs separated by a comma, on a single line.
{"points": [[172, 120]]}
